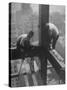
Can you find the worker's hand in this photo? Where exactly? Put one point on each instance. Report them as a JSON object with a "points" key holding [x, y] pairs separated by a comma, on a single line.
{"points": [[53, 50]]}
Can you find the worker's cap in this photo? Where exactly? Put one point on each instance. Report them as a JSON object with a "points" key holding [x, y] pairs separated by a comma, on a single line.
{"points": [[31, 33]]}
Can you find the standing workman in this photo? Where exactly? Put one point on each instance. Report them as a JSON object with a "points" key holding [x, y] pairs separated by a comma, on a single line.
{"points": [[53, 35]]}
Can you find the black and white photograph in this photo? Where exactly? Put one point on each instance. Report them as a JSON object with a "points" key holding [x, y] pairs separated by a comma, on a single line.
{"points": [[36, 44]]}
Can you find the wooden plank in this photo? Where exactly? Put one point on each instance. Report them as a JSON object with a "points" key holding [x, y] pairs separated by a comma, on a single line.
{"points": [[58, 58], [58, 66]]}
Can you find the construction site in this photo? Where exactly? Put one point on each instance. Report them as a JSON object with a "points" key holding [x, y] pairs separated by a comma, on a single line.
{"points": [[48, 65]]}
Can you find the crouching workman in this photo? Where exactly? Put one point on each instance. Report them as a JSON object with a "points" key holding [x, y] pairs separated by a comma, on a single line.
{"points": [[24, 45], [23, 41]]}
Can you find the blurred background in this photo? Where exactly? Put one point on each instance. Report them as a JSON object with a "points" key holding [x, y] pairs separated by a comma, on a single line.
{"points": [[25, 17]]}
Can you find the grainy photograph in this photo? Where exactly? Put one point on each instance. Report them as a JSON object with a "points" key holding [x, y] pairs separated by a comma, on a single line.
{"points": [[36, 44]]}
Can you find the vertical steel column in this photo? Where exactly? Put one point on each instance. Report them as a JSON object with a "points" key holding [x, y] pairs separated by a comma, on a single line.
{"points": [[43, 38], [9, 44]]}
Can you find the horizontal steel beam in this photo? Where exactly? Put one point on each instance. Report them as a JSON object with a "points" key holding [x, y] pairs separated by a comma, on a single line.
{"points": [[53, 56]]}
